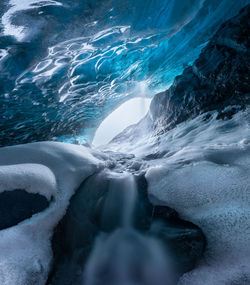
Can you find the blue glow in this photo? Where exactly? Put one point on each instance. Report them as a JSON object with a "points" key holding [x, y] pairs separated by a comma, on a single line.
{"points": [[62, 73]]}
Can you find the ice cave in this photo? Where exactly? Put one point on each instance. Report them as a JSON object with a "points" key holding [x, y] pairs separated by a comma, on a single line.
{"points": [[124, 142]]}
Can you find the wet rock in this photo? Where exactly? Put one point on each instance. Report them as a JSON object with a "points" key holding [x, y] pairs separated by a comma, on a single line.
{"points": [[184, 241]]}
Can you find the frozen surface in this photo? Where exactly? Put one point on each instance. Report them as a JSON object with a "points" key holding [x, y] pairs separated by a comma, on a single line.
{"points": [[50, 169], [66, 84]]}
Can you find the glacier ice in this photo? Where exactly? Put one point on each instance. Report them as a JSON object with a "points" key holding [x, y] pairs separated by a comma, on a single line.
{"points": [[73, 66]]}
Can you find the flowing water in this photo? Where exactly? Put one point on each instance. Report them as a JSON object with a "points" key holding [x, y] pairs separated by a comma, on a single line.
{"points": [[111, 234], [125, 256]]}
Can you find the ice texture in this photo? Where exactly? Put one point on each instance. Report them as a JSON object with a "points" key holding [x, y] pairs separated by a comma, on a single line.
{"points": [[74, 62], [193, 145], [52, 170]]}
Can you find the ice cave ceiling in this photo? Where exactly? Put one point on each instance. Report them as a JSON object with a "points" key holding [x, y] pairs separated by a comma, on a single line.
{"points": [[65, 65]]}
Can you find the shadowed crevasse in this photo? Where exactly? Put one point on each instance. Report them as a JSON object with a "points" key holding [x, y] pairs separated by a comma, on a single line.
{"points": [[18, 205]]}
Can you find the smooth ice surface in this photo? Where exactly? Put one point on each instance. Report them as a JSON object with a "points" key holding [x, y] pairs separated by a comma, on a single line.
{"points": [[127, 114], [50, 169]]}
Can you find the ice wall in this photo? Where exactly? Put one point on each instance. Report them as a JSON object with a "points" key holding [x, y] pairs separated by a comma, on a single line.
{"points": [[66, 65]]}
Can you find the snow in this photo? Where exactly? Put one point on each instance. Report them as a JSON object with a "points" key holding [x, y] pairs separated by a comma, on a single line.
{"points": [[34, 178], [206, 179], [50, 169]]}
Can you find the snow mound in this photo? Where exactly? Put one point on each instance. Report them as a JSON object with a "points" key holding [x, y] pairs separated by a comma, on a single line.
{"points": [[50, 169]]}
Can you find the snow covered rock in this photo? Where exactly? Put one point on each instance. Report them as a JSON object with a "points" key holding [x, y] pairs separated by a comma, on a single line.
{"points": [[52, 170]]}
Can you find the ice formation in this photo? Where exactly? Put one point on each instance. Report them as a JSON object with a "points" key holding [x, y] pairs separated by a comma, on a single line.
{"points": [[208, 183]]}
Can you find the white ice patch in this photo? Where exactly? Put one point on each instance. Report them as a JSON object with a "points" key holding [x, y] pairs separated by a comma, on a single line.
{"points": [[50, 169]]}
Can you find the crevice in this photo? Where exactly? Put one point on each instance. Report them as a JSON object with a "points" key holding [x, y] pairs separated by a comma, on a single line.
{"points": [[18, 205]]}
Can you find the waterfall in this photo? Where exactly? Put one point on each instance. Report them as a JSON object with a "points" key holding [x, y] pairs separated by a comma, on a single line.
{"points": [[125, 256]]}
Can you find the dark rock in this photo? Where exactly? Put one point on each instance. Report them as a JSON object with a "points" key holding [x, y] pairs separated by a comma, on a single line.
{"points": [[164, 212], [18, 205], [217, 79], [184, 241]]}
